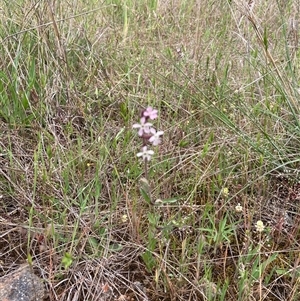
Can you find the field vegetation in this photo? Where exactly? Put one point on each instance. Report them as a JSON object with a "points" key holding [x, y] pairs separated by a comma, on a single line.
{"points": [[216, 215]]}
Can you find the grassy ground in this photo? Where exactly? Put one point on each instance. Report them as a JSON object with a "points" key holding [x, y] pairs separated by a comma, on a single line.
{"points": [[75, 76]]}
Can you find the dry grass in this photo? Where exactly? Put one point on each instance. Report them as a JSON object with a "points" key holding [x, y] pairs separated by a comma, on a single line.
{"points": [[74, 78]]}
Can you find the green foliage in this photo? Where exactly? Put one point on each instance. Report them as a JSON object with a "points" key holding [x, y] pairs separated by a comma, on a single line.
{"points": [[218, 232], [227, 90], [67, 260], [151, 243]]}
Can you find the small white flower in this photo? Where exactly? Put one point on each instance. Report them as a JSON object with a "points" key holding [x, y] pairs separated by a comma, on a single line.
{"points": [[144, 127], [225, 192], [259, 226], [151, 113], [155, 138], [124, 218], [238, 208], [145, 153]]}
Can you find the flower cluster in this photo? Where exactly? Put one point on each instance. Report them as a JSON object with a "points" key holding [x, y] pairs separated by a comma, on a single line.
{"points": [[260, 227], [147, 133], [225, 192], [238, 208]]}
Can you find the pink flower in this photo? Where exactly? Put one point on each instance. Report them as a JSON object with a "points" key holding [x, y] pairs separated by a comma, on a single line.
{"points": [[145, 153], [150, 113], [144, 127], [155, 138]]}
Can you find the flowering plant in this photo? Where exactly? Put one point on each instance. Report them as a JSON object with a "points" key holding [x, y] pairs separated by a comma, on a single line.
{"points": [[148, 133]]}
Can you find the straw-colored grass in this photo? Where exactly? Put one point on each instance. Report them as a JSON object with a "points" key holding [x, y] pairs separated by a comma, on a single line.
{"points": [[224, 76]]}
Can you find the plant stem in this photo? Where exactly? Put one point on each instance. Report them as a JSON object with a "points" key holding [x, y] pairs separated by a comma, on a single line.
{"points": [[146, 168]]}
